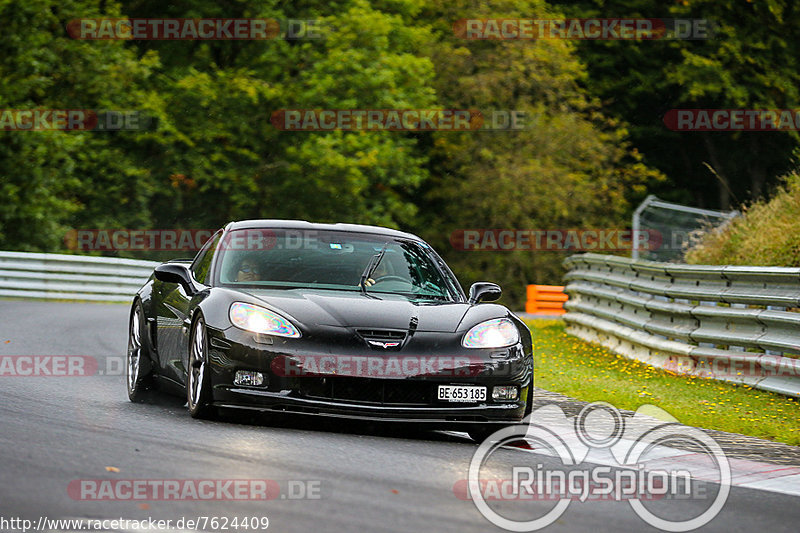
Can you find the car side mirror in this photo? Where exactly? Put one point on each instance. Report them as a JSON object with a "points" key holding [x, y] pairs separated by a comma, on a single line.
{"points": [[176, 273], [483, 291]]}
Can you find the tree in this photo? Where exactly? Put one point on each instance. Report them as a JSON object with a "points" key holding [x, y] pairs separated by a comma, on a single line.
{"points": [[571, 168], [748, 63], [220, 149], [50, 177]]}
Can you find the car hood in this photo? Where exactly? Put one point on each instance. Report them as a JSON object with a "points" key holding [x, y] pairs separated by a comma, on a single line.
{"points": [[385, 311]]}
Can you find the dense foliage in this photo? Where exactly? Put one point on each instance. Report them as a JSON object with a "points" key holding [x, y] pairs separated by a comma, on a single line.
{"points": [[767, 233], [594, 148]]}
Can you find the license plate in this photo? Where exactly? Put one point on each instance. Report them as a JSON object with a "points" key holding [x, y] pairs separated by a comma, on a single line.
{"points": [[461, 393]]}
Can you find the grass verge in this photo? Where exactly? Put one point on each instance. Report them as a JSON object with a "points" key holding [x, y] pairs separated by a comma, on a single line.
{"points": [[590, 372]]}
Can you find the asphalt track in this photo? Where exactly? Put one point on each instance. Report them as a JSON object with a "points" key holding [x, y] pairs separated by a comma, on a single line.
{"points": [[55, 430]]}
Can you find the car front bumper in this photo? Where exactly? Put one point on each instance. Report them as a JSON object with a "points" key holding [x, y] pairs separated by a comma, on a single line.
{"points": [[410, 396]]}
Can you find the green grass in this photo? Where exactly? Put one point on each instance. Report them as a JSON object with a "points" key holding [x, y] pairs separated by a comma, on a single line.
{"points": [[590, 372]]}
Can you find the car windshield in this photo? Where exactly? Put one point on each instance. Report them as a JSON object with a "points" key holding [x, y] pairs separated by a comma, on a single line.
{"points": [[333, 260]]}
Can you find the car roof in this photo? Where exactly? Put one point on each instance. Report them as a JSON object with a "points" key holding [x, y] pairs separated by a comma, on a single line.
{"points": [[305, 225]]}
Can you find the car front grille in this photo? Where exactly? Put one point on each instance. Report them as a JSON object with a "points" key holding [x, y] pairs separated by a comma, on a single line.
{"points": [[382, 334], [369, 391], [385, 339]]}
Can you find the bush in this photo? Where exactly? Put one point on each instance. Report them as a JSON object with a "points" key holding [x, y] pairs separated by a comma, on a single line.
{"points": [[768, 234]]}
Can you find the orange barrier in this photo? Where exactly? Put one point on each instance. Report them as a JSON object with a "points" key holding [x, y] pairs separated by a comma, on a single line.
{"points": [[545, 300]]}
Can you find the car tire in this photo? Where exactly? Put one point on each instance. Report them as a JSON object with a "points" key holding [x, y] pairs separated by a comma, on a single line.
{"points": [[198, 382], [138, 362]]}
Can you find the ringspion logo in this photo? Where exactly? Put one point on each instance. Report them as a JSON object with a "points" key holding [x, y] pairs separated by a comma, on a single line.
{"points": [[630, 447]]}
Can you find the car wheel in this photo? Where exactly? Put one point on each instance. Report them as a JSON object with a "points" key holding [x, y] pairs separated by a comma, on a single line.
{"points": [[139, 366], [198, 384]]}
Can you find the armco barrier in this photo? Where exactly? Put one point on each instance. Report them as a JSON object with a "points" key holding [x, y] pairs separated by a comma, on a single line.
{"points": [[734, 323], [545, 300], [71, 277]]}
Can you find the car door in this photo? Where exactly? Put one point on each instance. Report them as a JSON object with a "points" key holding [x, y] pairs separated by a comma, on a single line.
{"points": [[174, 315]]}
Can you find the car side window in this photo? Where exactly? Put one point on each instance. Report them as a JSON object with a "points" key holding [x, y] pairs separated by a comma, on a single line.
{"points": [[202, 263]]}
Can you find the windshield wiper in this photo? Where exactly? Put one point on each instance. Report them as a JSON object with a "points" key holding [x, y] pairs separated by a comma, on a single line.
{"points": [[371, 266]]}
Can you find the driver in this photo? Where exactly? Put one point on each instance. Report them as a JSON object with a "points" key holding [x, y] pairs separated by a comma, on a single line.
{"points": [[379, 272], [248, 270]]}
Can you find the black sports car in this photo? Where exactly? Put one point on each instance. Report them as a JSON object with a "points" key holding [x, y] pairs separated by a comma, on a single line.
{"points": [[329, 319]]}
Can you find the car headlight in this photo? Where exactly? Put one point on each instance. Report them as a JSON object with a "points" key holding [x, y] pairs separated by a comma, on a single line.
{"points": [[495, 333], [259, 320]]}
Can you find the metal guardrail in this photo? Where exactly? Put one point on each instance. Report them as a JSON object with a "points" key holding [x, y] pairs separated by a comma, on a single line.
{"points": [[71, 277], [733, 323]]}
